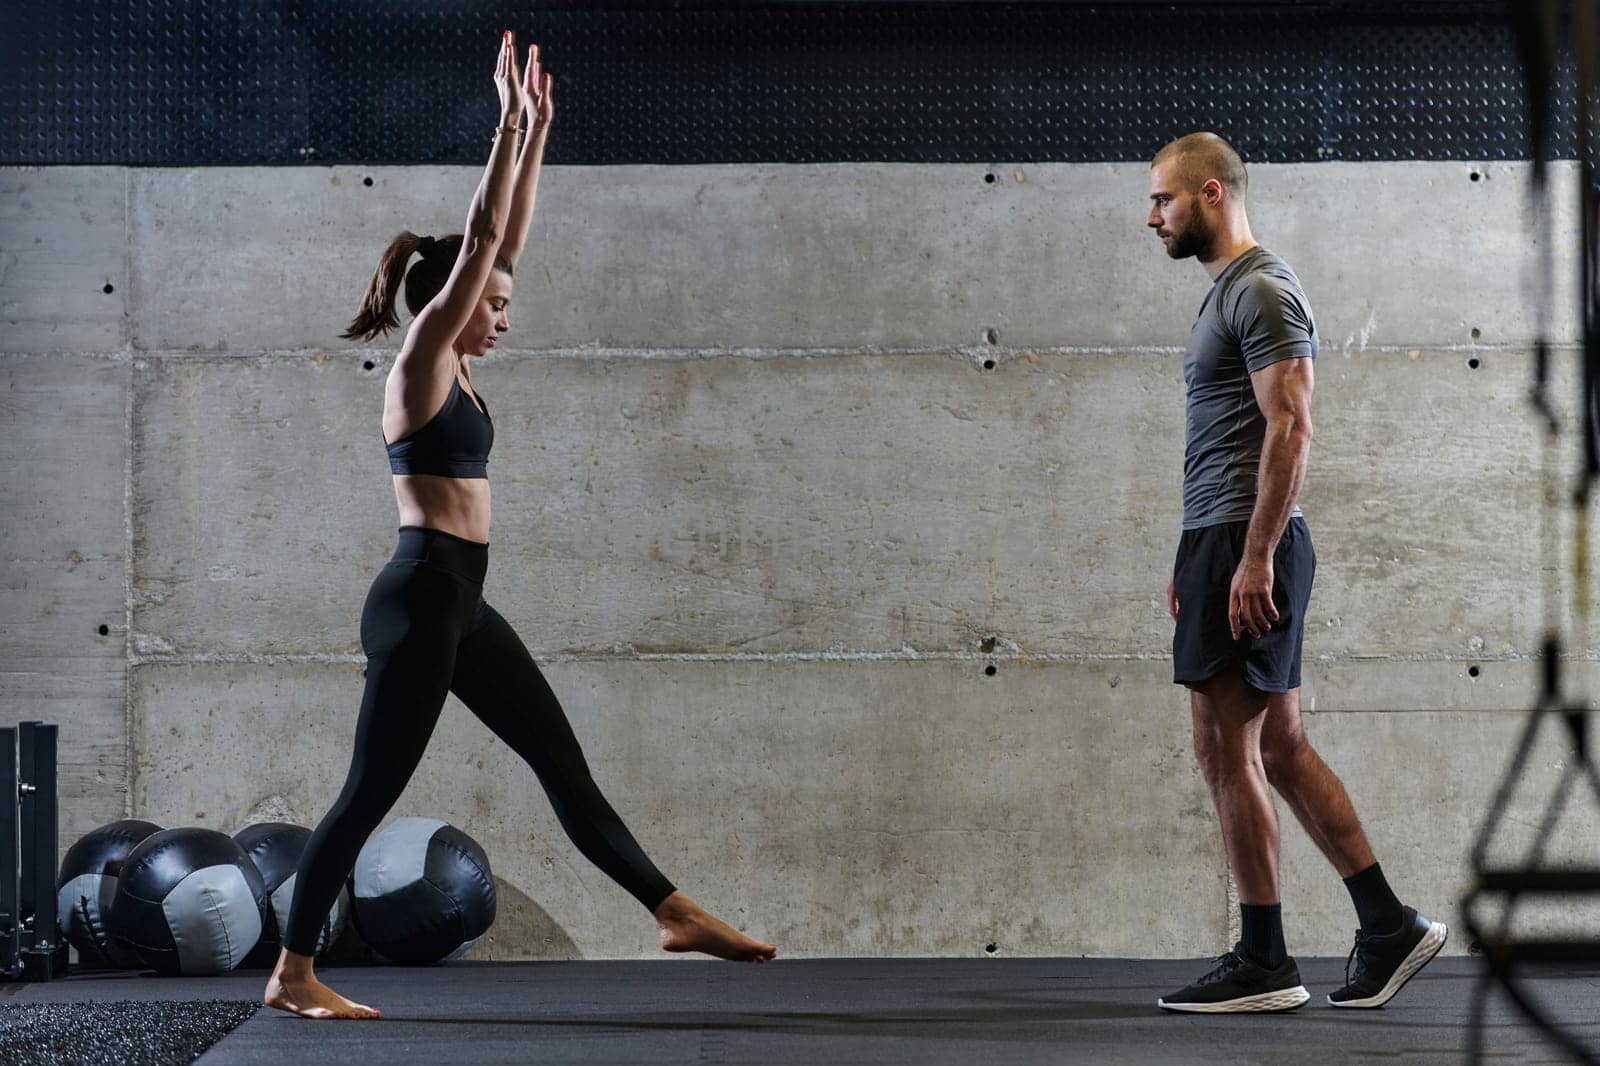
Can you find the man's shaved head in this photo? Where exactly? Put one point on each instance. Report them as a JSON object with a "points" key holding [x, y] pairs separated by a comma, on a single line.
{"points": [[1196, 158]]}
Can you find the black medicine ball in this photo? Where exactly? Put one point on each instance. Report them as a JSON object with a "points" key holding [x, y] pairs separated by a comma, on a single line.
{"points": [[87, 885], [189, 901], [275, 848], [422, 891]]}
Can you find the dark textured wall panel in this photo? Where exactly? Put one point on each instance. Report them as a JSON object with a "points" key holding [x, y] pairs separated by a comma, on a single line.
{"points": [[405, 81]]}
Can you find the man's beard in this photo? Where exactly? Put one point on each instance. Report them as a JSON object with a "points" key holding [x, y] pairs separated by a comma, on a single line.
{"points": [[1195, 239]]}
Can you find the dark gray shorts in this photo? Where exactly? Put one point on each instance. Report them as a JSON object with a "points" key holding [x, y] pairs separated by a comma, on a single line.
{"points": [[1203, 573]]}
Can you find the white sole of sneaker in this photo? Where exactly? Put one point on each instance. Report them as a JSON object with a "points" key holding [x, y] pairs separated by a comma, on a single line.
{"points": [[1420, 956], [1265, 1002]]}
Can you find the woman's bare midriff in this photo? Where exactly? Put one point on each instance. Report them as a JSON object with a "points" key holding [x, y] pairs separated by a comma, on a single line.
{"points": [[459, 506]]}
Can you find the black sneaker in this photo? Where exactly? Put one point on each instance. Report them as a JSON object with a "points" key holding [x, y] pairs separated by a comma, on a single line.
{"points": [[1380, 966], [1238, 986]]}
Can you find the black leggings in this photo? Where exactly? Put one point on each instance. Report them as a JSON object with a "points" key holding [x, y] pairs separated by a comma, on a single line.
{"points": [[427, 631]]}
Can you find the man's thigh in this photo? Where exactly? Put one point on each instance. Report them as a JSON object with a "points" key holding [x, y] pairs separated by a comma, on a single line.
{"points": [[1280, 728], [1226, 703]]}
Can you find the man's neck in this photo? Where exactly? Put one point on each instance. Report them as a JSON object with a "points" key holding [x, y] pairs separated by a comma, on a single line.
{"points": [[1230, 246]]}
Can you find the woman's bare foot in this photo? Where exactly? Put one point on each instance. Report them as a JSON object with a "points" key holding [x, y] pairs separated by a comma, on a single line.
{"points": [[685, 926], [293, 987]]}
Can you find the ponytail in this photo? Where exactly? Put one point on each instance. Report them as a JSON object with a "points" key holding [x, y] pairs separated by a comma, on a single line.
{"points": [[423, 280], [377, 313]]}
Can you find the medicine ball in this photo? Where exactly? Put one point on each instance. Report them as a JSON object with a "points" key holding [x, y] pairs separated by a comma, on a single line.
{"points": [[86, 886], [275, 848], [422, 892], [189, 901]]}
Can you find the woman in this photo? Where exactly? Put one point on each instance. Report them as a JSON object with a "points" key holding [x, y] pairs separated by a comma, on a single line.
{"points": [[425, 627]]}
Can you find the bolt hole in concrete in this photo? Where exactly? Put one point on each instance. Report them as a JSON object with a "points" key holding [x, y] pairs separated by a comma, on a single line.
{"points": [[368, 182], [991, 949], [988, 364], [368, 365], [1476, 332], [988, 179], [1472, 364], [1472, 671], [1474, 176], [103, 630], [991, 670], [109, 289]]}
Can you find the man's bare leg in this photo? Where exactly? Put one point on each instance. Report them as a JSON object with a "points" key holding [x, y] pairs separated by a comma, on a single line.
{"points": [[1311, 790], [1259, 974], [684, 925], [1228, 719], [1395, 941], [294, 988]]}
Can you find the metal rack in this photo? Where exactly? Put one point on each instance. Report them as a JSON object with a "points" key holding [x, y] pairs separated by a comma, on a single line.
{"points": [[1546, 31], [31, 945]]}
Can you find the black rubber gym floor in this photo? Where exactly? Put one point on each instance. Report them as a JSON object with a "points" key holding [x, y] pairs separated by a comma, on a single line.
{"points": [[832, 1011]]}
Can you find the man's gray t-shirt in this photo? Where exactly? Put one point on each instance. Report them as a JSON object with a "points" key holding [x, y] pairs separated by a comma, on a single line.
{"points": [[1255, 315]]}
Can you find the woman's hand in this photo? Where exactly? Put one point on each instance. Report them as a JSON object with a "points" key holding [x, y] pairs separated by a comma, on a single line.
{"points": [[536, 87], [508, 82]]}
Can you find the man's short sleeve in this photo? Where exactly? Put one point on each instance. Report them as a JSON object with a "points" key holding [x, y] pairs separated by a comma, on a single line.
{"points": [[1272, 322]]}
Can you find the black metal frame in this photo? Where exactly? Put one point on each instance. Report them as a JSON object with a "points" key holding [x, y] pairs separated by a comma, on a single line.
{"points": [[31, 945], [1543, 27]]}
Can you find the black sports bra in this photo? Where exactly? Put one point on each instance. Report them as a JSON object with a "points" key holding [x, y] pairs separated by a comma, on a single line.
{"points": [[453, 443]]}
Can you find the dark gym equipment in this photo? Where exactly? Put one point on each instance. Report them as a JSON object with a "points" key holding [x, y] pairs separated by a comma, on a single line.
{"points": [[421, 892], [31, 948], [189, 901], [275, 848], [86, 888], [1545, 30]]}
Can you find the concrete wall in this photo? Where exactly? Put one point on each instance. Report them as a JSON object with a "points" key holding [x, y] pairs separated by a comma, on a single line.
{"points": [[787, 457]]}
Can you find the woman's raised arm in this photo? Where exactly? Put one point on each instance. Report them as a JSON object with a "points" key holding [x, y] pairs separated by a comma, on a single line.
{"points": [[445, 316], [536, 87]]}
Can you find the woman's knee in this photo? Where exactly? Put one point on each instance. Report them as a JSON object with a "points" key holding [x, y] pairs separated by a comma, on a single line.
{"points": [[361, 805]]}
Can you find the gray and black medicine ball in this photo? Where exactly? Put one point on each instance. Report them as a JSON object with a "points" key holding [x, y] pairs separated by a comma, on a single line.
{"points": [[275, 848], [421, 891], [189, 901], [87, 885]]}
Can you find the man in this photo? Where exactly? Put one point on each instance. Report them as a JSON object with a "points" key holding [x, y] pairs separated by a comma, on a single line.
{"points": [[1239, 591]]}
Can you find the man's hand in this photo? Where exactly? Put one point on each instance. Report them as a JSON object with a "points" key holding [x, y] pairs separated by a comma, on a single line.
{"points": [[1172, 598], [1250, 606]]}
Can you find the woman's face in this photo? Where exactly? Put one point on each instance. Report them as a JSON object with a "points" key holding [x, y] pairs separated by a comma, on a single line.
{"points": [[489, 318]]}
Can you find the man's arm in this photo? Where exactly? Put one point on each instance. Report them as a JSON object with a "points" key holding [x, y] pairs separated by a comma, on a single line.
{"points": [[1283, 392]]}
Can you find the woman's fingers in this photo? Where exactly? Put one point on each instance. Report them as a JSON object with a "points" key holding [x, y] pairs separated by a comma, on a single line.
{"points": [[511, 58], [531, 82]]}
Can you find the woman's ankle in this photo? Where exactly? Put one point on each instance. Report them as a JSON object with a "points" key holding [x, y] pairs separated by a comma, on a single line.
{"points": [[293, 967]]}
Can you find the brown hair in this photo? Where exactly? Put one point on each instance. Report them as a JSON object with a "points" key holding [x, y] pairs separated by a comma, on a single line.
{"points": [[423, 281], [1203, 156]]}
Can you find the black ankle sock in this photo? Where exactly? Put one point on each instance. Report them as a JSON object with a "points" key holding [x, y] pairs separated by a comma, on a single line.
{"points": [[1376, 906], [1261, 933]]}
